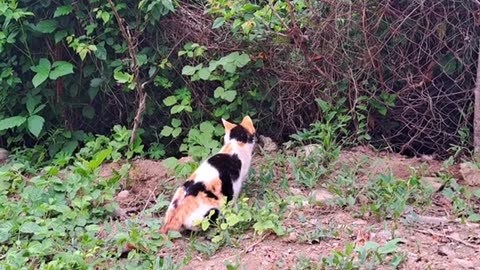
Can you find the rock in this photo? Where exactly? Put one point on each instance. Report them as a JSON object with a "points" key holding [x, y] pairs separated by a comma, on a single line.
{"points": [[434, 182], [122, 195], [308, 149], [470, 174], [445, 251], [292, 237], [184, 160], [3, 155], [321, 195], [296, 191], [382, 236], [268, 144], [465, 264]]}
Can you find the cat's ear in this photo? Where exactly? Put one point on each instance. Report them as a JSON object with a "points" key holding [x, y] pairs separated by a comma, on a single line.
{"points": [[228, 126], [248, 124]]}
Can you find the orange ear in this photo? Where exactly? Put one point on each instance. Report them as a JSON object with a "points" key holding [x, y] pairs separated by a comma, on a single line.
{"points": [[248, 124], [228, 126]]}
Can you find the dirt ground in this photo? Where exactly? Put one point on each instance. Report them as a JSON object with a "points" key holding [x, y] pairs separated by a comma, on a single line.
{"points": [[432, 238]]}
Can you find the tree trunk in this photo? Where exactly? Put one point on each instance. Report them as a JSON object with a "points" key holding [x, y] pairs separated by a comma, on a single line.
{"points": [[476, 114]]}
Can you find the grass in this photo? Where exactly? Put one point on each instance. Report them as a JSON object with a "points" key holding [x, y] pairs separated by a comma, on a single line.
{"points": [[61, 214]]}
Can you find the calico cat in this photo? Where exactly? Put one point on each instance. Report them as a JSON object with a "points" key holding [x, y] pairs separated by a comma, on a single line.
{"points": [[220, 176]]}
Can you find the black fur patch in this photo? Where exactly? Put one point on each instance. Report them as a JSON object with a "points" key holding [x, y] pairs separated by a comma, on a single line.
{"points": [[187, 184], [194, 189], [214, 217], [175, 204], [240, 134], [228, 167]]}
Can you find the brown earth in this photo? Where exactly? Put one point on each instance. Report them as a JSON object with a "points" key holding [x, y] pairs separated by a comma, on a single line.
{"points": [[431, 238]]}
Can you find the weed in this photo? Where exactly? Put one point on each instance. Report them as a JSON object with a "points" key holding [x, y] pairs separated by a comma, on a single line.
{"points": [[389, 196], [368, 256], [464, 201]]}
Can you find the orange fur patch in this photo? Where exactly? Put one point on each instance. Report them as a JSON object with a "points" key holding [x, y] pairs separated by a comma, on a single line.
{"points": [[228, 126], [176, 217], [248, 124], [227, 149]]}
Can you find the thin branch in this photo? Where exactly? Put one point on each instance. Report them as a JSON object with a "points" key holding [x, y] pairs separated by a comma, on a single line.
{"points": [[134, 67]]}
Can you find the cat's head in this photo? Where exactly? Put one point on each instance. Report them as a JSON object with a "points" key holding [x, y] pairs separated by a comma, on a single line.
{"points": [[242, 133]]}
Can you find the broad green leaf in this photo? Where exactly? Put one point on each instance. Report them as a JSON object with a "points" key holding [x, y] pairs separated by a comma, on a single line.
{"points": [[204, 73], [99, 158], [176, 132], [42, 70], [188, 70], [29, 227], [218, 22], [166, 131], [62, 11], [46, 27], [229, 95], [96, 82], [60, 35], [35, 124], [122, 77], [12, 122], [218, 92], [105, 17], [60, 68], [168, 5], [207, 127], [170, 100], [474, 218], [170, 162], [176, 122], [390, 247], [241, 60], [476, 193], [32, 102], [230, 67]]}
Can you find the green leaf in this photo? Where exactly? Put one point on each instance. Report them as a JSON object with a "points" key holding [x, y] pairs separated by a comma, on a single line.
{"points": [[218, 22], [46, 27], [12, 122], [207, 127], [390, 247], [62, 11], [168, 5], [476, 193], [105, 17], [230, 67], [60, 69], [60, 35], [204, 73], [35, 124], [88, 111], [122, 77], [188, 70], [99, 158], [474, 218], [166, 131], [242, 60], [218, 92], [229, 95], [176, 122], [170, 163], [29, 227], [42, 70], [176, 132], [170, 100], [32, 102]]}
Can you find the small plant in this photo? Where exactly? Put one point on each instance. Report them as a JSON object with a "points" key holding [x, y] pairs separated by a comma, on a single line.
{"points": [[369, 256], [464, 200], [389, 196]]}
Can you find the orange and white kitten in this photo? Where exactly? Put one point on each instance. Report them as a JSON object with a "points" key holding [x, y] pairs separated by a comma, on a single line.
{"points": [[220, 176]]}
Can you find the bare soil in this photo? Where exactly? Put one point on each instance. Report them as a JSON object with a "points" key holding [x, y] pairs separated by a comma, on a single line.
{"points": [[432, 237]]}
